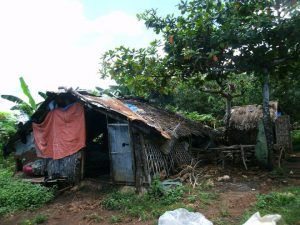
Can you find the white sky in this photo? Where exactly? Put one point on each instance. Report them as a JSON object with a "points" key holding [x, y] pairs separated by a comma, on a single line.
{"points": [[52, 43]]}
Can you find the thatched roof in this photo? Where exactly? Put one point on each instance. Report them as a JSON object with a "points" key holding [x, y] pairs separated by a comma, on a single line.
{"points": [[138, 112], [167, 121], [247, 117]]}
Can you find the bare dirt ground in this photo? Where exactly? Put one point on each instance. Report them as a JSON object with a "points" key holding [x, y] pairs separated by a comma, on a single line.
{"points": [[235, 195]]}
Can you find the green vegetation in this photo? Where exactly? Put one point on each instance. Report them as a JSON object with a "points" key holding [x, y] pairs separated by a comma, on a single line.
{"points": [[296, 139], [207, 119], [93, 217], [19, 195], [7, 128], [26, 108], [39, 219], [115, 219], [147, 206], [285, 202], [210, 59], [158, 200], [15, 194]]}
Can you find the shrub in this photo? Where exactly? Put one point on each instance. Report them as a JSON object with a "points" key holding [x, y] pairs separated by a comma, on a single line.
{"points": [[285, 202], [18, 195]]}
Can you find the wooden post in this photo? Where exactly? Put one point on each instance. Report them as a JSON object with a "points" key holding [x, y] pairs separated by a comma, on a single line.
{"points": [[137, 160], [82, 164]]}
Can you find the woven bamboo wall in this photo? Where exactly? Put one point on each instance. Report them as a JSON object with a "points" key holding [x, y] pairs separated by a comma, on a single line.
{"points": [[162, 164]]}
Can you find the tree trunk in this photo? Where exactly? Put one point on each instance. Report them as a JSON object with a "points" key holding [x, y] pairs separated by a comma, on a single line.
{"points": [[267, 118], [228, 112]]}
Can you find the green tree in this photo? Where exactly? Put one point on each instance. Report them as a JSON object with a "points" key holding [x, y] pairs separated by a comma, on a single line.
{"points": [[142, 71], [212, 40]]}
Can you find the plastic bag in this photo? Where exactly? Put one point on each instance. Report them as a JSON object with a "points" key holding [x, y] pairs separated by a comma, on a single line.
{"points": [[256, 219], [183, 217]]}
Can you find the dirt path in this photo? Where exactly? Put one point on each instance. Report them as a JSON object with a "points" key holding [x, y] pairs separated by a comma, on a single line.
{"points": [[79, 207]]}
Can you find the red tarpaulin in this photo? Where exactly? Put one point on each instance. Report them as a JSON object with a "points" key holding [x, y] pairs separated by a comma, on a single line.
{"points": [[62, 133]]}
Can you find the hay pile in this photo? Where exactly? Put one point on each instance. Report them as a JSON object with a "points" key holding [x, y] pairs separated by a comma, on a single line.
{"points": [[247, 117]]}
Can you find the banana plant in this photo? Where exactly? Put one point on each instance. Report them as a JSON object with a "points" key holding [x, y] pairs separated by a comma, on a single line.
{"points": [[27, 108]]}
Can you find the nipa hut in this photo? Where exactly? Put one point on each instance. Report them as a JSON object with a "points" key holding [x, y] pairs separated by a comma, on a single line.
{"points": [[243, 124], [74, 135]]}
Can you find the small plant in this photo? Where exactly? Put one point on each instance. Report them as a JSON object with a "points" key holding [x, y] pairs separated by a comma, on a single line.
{"points": [[192, 198], [40, 218], [285, 202], [118, 200], [156, 189], [207, 197], [93, 217], [172, 195], [26, 222], [115, 219], [224, 212], [147, 206], [275, 199]]}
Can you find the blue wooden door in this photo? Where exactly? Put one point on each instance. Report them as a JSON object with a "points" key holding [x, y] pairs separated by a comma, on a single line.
{"points": [[121, 153]]}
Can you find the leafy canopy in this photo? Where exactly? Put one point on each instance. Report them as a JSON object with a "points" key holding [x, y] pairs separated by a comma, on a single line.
{"points": [[211, 40]]}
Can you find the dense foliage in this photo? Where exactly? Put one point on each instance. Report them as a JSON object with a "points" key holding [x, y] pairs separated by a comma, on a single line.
{"points": [[7, 128], [19, 195], [213, 46], [14, 193]]}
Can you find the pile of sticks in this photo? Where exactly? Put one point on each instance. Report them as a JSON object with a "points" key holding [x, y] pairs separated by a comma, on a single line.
{"points": [[191, 173]]}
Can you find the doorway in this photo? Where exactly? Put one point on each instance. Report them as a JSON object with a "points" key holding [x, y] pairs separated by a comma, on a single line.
{"points": [[96, 155]]}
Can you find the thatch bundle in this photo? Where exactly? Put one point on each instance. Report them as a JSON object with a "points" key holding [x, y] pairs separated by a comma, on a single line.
{"points": [[247, 117]]}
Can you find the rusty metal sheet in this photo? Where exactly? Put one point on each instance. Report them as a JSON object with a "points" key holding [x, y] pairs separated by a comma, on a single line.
{"points": [[118, 106]]}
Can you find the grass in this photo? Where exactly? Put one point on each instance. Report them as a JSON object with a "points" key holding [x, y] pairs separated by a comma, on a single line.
{"points": [[157, 200], [285, 202], [147, 206], [93, 218], [115, 219], [296, 139], [18, 195], [39, 219]]}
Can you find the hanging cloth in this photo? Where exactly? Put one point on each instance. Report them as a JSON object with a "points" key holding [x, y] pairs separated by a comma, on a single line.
{"points": [[62, 133]]}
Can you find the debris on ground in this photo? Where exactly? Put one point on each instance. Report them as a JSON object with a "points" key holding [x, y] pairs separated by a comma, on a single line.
{"points": [[191, 174], [183, 217], [269, 219], [223, 178]]}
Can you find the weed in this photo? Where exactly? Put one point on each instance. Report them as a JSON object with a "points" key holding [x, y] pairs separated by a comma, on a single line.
{"points": [[172, 195], [156, 189], [285, 202], [206, 197], [40, 218], [224, 212], [115, 219], [147, 206], [93, 217], [192, 198], [276, 199], [220, 221], [26, 222], [18, 195]]}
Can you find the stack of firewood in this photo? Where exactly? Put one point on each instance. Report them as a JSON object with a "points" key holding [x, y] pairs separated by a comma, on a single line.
{"points": [[191, 174]]}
